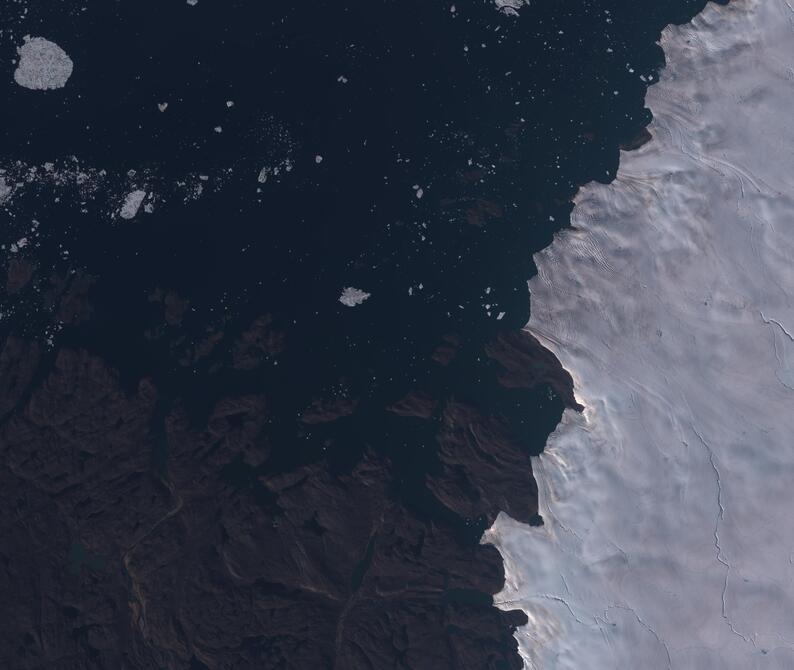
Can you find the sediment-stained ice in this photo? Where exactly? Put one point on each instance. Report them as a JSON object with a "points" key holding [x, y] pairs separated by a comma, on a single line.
{"points": [[668, 539]]}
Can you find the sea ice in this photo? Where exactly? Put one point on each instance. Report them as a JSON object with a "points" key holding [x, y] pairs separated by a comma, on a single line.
{"points": [[132, 204], [351, 297], [43, 65], [510, 7]]}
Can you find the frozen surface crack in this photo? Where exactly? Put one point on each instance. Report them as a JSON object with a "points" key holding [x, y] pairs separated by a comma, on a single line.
{"points": [[645, 626], [717, 545], [779, 325]]}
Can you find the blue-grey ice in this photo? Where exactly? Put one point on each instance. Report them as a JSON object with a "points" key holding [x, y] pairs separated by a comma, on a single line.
{"points": [[352, 297], [42, 65], [132, 203]]}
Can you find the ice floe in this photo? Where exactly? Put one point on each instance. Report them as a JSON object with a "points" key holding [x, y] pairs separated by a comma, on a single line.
{"points": [[351, 297], [43, 65]]}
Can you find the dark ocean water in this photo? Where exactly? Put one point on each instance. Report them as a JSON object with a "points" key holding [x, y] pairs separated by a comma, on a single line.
{"points": [[496, 118]]}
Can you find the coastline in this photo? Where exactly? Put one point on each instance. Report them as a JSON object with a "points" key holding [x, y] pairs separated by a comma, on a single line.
{"points": [[310, 480], [665, 496]]}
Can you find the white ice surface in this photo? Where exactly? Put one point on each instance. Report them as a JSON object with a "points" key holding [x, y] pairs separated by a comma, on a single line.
{"points": [[132, 203], [669, 504], [510, 7], [352, 297], [43, 65]]}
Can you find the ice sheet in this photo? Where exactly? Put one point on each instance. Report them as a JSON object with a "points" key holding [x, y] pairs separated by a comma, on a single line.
{"points": [[669, 504]]}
